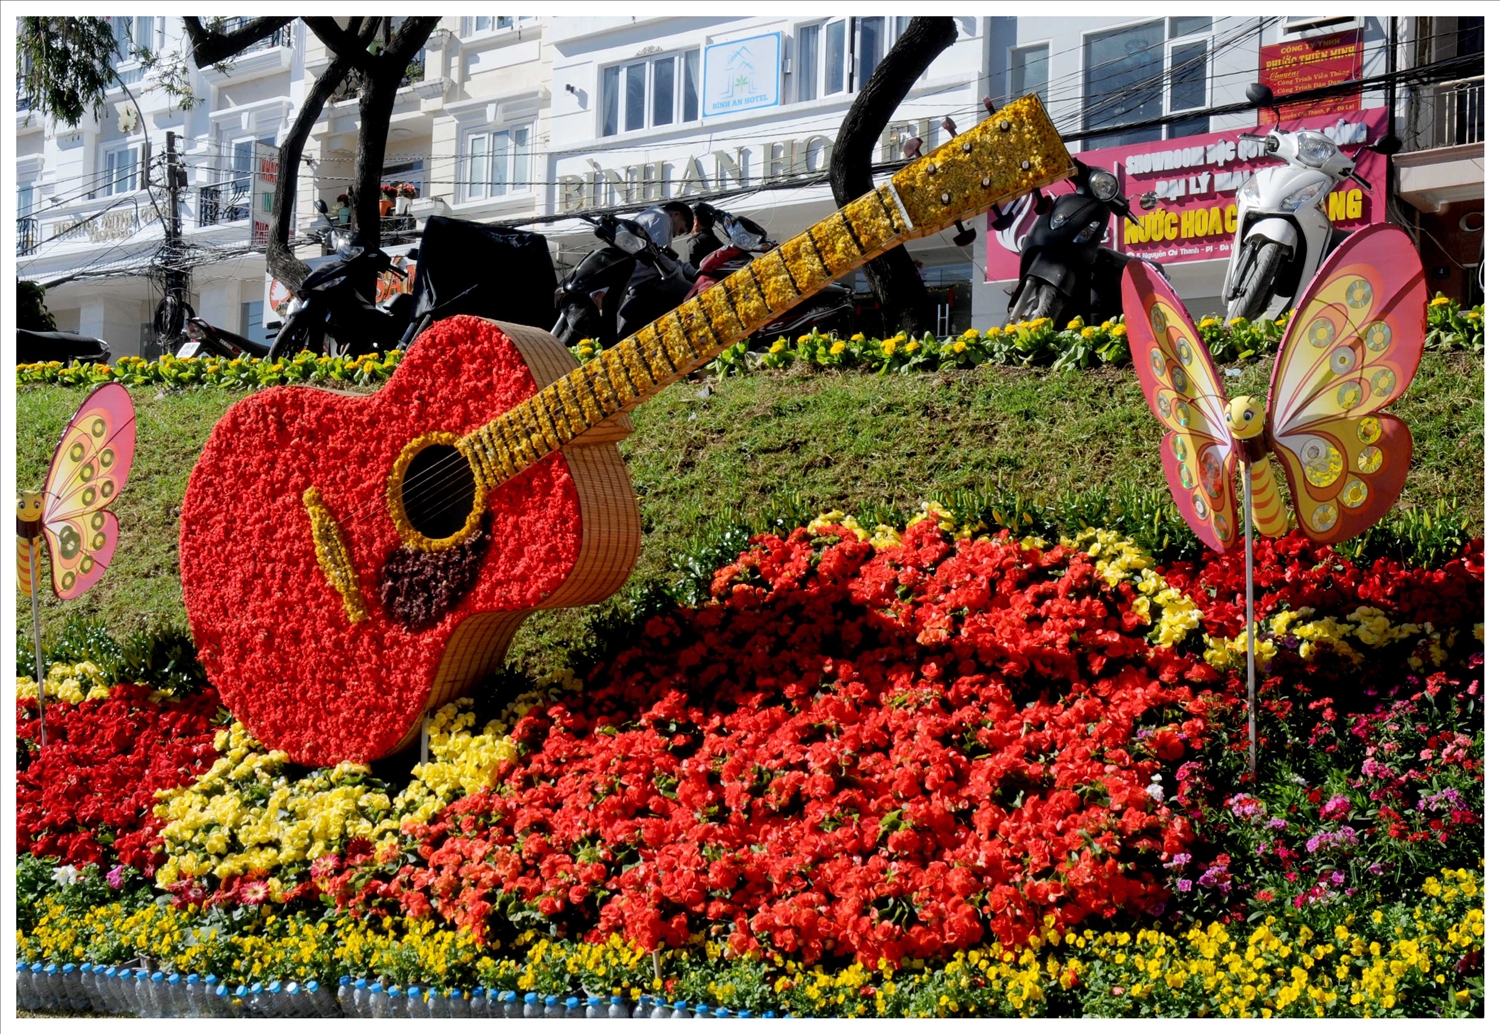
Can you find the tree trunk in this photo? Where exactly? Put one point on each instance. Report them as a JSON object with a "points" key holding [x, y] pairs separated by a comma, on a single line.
{"points": [[282, 263], [893, 276], [377, 98]]}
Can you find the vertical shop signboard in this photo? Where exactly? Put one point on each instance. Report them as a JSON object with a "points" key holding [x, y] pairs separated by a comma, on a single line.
{"points": [[1308, 64]]}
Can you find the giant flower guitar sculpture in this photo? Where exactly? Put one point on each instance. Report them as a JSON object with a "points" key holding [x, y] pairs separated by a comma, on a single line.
{"points": [[351, 563]]}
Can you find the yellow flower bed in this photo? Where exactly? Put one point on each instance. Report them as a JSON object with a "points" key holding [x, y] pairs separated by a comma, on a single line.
{"points": [[245, 815], [1402, 959], [73, 683]]}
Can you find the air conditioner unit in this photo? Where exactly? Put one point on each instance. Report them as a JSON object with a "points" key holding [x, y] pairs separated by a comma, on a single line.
{"points": [[1325, 23]]}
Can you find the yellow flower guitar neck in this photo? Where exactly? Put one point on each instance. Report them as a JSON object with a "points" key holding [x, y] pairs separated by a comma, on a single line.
{"points": [[1009, 154]]}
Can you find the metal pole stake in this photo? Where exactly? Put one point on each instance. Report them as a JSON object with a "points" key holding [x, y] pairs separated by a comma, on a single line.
{"points": [[36, 631], [1250, 616]]}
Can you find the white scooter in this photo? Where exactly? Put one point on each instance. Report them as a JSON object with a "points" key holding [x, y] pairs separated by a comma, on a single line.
{"points": [[1283, 234]]}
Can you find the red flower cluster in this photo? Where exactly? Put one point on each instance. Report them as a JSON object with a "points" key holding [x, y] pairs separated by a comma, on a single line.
{"points": [[887, 754], [87, 795], [1291, 572]]}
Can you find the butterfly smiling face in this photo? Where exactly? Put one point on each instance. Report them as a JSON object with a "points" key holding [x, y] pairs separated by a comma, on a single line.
{"points": [[1246, 416]]}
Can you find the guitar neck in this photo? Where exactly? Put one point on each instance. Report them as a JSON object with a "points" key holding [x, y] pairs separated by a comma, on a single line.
{"points": [[1013, 152]]}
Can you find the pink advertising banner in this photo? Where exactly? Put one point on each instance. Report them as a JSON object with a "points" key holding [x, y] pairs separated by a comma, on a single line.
{"points": [[1196, 178]]}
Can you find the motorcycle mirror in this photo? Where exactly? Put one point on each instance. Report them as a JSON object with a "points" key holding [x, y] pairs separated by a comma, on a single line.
{"points": [[1260, 95], [321, 206], [1148, 200], [1386, 143]]}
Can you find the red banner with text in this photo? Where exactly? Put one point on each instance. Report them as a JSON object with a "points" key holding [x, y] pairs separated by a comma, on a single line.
{"points": [[1196, 178], [1307, 64]]}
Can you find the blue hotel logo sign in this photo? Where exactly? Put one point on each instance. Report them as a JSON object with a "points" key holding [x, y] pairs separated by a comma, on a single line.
{"points": [[742, 75]]}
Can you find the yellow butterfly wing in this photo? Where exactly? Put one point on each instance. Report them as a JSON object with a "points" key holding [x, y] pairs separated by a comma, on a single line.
{"points": [[89, 468], [1185, 395], [1351, 350]]}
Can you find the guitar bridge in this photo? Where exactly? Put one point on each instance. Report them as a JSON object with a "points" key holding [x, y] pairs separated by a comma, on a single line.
{"points": [[333, 556]]}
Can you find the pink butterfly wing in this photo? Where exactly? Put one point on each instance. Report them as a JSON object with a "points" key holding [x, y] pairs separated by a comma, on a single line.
{"points": [[1185, 395], [89, 468], [1351, 350]]}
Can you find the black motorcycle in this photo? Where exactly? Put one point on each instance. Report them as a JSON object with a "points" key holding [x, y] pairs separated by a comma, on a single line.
{"points": [[205, 339], [831, 310], [595, 300], [1065, 272], [329, 306], [55, 346]]}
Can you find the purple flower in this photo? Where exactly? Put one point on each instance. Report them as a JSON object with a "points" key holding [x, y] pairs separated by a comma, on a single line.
{"points": [[1276, 823], [1243, 806], [1179, 860], [1376, 869], [1337, 879], [115, 876], [1183, 886]]}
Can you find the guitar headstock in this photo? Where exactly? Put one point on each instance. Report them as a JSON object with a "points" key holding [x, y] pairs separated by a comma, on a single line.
{"points": [[1010, 153]]}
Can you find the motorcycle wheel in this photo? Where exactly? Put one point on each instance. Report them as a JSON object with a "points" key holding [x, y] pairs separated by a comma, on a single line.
{"points": [[1252, 302], [1037, 298]]}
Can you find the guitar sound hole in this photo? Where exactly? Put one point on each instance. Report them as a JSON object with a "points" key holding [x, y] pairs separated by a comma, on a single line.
{"points": [[438, 491]]}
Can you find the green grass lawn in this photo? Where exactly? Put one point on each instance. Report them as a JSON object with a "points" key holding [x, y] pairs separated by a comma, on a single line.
{"points": [[857, 442]]}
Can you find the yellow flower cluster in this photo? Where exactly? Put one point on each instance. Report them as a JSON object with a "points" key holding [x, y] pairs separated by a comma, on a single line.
{"points": [[245, 814], [1367, 624], [74, 683], [1170, 614]]}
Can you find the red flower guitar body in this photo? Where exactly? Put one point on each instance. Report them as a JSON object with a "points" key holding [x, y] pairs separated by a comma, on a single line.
{"points": [[273, 631]]}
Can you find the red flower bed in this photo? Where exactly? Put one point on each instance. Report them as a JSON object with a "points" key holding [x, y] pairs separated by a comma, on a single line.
{"points": [[1291, 572], [87, 795], [892, 754]]}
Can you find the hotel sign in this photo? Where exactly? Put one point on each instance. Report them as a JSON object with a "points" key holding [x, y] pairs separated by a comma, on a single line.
{"points": [[742, 75]]}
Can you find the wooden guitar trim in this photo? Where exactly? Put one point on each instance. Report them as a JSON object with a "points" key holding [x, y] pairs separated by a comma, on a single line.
{"points": [[607, 552]]}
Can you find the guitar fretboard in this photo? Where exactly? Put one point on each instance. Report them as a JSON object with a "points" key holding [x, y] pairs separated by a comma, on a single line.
{"points": [[678, 343], [1009, 154]]}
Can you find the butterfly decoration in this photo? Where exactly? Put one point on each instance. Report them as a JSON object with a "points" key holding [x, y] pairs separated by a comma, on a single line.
{"points": [[1349, 351], [70, 514]]}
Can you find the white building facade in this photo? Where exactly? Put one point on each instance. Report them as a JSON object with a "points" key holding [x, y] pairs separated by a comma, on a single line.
{"points": [[532, 121]]}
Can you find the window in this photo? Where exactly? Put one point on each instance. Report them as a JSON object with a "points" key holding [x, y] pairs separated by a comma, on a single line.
{"points": [[1028, 71], [1141, 72], [659, 91], [25, 198], [869, 38], [132, 34], [120, 170], [806, 61], [839, 55], [498, 163], [474, 26], [403, 172]]}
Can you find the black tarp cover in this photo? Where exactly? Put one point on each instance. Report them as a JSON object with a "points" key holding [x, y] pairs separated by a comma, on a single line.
{"points": [[507, 273]]}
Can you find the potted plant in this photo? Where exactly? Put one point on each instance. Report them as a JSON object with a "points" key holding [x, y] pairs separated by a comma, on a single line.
{"points": [[387, 199], [405, 194]]}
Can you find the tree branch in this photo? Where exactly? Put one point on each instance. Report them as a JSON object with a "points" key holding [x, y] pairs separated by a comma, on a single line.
{"points": [[209, 48], [408, 40], [345, 43], [897, 285]]}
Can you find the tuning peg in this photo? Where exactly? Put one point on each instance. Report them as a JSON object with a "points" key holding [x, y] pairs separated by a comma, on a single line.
{"points": [[965, 235], [912, 148], [989, 105], [950, 126]]}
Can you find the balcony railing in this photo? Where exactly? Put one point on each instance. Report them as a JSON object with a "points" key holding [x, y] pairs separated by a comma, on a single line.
{"points": [[28, 235], [282, 37], [227, 202], [1452, 114]]}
